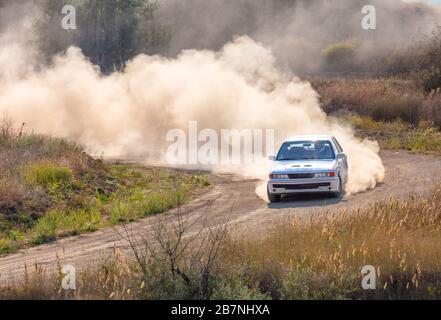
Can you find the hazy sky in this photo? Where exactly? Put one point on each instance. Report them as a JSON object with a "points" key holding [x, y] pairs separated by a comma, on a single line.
{"points": [[432, 1]]}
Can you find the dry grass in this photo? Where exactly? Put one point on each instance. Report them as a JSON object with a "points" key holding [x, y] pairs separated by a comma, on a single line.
{"points": [[319, 258], [381, 99], [323, 257]]}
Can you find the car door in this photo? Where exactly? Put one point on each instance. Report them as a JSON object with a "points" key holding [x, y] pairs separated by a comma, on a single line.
{"points": [[342, 161]]}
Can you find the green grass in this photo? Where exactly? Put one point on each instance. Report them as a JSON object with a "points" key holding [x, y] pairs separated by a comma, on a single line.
{"points": [[56, 224], [126, 210], [50, 188], [397, 135], [139, 192], [45, 174]]}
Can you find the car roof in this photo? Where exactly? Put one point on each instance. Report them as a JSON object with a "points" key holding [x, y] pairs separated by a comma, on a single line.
{"points": [[312, 137]]}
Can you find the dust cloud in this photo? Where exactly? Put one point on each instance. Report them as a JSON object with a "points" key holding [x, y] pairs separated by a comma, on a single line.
{"points": [[128, 114], [298, 30]]}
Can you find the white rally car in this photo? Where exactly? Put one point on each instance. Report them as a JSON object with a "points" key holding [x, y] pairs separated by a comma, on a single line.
{"points": [[308, 164]]}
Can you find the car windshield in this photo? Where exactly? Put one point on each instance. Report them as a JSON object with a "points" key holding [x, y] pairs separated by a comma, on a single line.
{"points": [[306, 150]]}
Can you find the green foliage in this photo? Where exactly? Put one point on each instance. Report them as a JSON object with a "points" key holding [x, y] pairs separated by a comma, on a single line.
{"points": [[45, 174], [397, 134], [5, 246], [234, 288], [110, 32], [121, 211], [59, 223], [51, 188], [201, 180], [424, 140], [306, 284]]}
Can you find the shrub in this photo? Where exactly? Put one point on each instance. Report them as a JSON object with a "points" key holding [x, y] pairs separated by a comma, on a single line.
{"points": [[235, 288], [427, 71], [339, 56], [429, 79], [380, 99]]}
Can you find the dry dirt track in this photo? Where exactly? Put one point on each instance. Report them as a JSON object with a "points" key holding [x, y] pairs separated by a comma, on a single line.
{"points": [[405, 173]]}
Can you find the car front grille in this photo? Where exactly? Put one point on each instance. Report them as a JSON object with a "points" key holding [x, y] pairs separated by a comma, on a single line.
{"points": [[303, 186], [301, 175]]}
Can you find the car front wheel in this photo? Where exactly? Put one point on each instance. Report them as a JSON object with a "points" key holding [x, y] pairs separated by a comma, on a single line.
{"points": [[273, 197]]}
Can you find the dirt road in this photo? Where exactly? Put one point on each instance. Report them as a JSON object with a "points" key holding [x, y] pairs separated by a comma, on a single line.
{"points": [[229, 195]]}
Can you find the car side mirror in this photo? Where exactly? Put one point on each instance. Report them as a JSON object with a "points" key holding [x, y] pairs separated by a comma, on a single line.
{"points": [[341, 156], [272, 158]]}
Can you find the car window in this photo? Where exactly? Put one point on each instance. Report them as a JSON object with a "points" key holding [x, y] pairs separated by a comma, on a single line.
{"points": [[306, 150], [339, 148]]}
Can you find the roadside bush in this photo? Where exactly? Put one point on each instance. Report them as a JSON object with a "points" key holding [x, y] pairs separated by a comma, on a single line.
{"points": [[235, 288], [307, 284]]}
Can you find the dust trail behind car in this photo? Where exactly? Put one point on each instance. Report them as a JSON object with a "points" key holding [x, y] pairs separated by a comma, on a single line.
{"points": [[128, 114]]}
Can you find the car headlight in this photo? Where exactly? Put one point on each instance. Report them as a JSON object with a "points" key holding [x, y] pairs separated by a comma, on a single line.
{"points": [[279, 176], [324, 175]]}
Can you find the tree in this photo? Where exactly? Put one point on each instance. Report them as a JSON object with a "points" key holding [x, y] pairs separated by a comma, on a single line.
{"points": [[110, 32], [427, 69]]}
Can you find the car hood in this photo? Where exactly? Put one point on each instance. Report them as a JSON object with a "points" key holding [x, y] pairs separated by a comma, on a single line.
{"points": [[304, 166]]}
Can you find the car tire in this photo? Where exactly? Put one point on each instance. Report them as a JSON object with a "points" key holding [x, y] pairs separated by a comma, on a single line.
{"points": [[273, 197]]}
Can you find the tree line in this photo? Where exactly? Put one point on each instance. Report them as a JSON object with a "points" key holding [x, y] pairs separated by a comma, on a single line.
{"points": [[109, 32]]}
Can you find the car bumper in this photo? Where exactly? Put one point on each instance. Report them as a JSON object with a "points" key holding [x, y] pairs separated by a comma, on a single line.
{"points": [[291, 186]]}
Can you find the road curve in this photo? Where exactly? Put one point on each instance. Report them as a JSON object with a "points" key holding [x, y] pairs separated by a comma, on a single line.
{"points": [[229, 198]]}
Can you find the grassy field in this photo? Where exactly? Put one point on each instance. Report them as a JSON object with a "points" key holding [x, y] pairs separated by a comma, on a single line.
{"points": [[319, 258], [50, 188]]}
